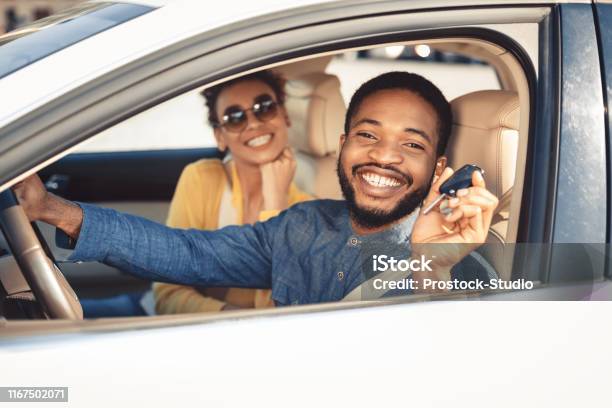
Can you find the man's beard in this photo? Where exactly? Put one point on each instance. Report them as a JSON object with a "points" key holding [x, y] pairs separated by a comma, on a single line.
{"points": [[368, 217]]}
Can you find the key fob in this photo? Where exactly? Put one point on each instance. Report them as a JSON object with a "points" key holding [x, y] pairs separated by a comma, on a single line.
{"points": [[462, 178]]}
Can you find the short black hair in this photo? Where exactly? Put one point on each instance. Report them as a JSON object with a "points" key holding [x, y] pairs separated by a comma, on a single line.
{"points": [[409, 82], [272, 79]]}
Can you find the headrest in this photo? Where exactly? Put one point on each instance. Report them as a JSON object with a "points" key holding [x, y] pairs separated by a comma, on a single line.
{"points": [[487, 110], [316, 110], [485, 133]]}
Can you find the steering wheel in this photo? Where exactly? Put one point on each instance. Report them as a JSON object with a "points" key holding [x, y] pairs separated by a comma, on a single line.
{"points": [[38, 267]]}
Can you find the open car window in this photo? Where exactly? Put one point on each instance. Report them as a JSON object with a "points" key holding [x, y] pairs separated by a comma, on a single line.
{"points": [[134, 166]]}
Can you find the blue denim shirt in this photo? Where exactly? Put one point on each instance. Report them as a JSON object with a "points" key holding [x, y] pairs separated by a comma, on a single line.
{"points": [[307, 254]]}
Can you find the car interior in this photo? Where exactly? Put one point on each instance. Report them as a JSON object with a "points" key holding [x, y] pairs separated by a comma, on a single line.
{"points": [[488, 130]]}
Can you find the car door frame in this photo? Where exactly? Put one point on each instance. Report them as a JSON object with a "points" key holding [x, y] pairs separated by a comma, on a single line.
{"points": [[603, 14], [580, 196]]}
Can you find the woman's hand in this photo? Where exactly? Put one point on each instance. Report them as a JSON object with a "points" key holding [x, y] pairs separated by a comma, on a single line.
{"points": [[276, 177]]}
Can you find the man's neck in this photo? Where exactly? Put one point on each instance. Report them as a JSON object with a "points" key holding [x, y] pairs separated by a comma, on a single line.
{"points": [[364, 230]]}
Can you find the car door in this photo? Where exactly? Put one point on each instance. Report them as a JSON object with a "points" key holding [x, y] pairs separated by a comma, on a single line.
{"points": [[422, 337]]}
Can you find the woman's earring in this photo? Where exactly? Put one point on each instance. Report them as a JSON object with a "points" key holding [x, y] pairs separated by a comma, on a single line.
{"points": [[227, 156]]}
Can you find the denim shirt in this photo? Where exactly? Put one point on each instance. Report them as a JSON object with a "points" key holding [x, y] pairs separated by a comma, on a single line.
{"points": [[309, 253]]}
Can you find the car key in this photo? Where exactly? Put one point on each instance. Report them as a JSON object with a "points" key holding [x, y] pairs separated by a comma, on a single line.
{"points": [[462, 178]]}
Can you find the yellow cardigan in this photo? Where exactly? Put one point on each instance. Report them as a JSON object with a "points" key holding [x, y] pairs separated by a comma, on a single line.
{"points": [[196, 204]]}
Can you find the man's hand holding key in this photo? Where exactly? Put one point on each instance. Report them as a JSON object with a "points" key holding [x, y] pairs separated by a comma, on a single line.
{"points": [[459, 226]]}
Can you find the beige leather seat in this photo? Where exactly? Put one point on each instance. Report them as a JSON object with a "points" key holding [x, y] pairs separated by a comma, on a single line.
{"points": [[485, 133], [316, 109]]}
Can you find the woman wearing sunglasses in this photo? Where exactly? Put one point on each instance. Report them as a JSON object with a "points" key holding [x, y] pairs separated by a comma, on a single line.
{"points": [[252, 183]]}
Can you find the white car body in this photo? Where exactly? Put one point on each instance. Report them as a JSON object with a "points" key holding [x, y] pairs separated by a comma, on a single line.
{"points": [[472, 354]]}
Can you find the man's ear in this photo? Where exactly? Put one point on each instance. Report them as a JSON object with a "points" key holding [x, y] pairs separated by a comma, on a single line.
{"points": [[220, 138], [440, 165]]}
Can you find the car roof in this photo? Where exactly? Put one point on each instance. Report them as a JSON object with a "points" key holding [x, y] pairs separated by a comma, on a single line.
{"points": [[170, 22]]}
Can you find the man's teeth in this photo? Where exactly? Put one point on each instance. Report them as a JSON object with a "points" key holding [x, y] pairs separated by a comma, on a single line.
{"points": [[259, 140], [380, 181]]}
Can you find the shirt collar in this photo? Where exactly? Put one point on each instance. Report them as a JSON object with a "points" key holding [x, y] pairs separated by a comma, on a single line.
{"points": [[398, 232]]}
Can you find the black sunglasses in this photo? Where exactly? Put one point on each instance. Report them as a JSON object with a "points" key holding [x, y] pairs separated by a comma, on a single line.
{"points": [[235, 118]]}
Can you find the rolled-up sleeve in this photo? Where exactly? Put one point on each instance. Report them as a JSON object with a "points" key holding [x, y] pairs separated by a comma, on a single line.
{"points": [[232, 256]]}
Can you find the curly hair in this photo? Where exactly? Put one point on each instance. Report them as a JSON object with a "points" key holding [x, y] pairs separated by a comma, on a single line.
{"points": [[272, 79], [409, 82]]}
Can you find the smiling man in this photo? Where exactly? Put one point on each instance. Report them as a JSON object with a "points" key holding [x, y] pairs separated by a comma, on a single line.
{"points": [[391, 162], [396, 130]]}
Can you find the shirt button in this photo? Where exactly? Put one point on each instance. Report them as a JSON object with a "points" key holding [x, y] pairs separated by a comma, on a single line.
{"points": [[340, 275], [353, 241]]}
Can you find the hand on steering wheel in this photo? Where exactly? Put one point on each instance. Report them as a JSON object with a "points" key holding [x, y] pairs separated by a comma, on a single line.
{"points": [[39, 270]]}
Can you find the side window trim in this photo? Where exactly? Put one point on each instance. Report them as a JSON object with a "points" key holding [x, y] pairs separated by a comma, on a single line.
{"points": [[603, 14]]}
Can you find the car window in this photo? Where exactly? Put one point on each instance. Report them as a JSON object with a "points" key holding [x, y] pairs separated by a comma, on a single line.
{"points": [[147, 152], [135, 165], [33, 42]]}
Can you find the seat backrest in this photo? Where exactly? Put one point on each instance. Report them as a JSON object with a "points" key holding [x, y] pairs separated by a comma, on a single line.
{"points": [[485, 133], [316, 110]]}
